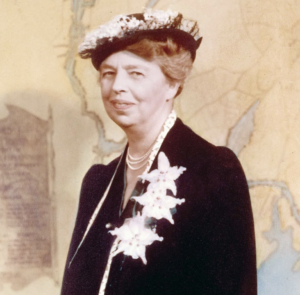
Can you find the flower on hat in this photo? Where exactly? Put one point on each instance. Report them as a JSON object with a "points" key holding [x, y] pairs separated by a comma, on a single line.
{"points": [[122, 25], [160, 17]]}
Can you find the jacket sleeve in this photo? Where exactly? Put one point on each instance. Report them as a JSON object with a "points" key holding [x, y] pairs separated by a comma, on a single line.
{"points": [[87, 203], [229, 244], [210, 250]]}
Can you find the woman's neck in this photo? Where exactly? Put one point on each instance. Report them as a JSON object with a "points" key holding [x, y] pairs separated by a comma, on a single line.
{"points": [[141, 138]]}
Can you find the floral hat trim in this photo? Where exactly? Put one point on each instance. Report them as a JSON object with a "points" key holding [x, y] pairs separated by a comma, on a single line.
{"points": [[123, 26]]}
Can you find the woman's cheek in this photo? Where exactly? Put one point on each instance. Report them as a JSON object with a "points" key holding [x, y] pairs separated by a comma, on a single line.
{"points": [[105, 91], [139, 92]]}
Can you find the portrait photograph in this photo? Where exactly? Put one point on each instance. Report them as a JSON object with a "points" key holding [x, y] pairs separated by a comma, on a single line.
{"points": [[150, 147]]}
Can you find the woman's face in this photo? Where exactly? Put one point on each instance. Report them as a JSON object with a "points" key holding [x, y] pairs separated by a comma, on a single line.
{"points": [[135, 91]]}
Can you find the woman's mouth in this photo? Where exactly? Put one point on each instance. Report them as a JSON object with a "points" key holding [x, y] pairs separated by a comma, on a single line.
{"points": [[121, 105]]}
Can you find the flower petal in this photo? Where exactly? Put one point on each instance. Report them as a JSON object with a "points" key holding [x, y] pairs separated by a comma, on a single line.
{"points": [[152, 176], [163, 162], [142, 253], [175, 172]]}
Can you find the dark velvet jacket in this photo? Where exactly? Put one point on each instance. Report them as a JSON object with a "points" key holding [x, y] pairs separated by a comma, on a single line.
{"points": [[209, 250]]}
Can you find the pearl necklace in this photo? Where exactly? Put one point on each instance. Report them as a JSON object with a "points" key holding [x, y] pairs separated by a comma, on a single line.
{"points": [[138, 160], [131, 161]]}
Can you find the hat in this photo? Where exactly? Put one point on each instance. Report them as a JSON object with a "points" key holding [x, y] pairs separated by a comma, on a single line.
{"points": [[125, 30]]}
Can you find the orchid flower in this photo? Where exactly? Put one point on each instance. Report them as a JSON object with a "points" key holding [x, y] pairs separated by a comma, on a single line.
{"points": [[134, 237], [157, 204], [164, 176]]}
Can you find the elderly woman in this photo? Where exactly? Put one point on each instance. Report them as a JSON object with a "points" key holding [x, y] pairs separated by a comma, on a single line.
{"points": [[172, 214]]}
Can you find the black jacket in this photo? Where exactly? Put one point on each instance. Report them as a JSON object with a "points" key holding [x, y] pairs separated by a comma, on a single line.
{"points": [[209, 250]]}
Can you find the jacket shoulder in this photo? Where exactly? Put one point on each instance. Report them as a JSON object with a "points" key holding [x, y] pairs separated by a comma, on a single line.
{"points": [[95, 182], [191, 149], [98, 171], [196, 143]]}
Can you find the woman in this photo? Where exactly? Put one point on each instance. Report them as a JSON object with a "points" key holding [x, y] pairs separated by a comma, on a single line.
{"points": [[172, 214]]}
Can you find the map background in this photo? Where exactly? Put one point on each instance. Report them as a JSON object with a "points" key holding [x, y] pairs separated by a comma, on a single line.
{"points": [[243, 93]]}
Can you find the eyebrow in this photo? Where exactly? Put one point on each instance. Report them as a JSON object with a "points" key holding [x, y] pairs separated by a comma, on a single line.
{"points": [[132, 67], [105, 66], [127, 67]]}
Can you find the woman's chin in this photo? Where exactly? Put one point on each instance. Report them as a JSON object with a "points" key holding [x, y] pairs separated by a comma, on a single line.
{"points": [[123, 121]]}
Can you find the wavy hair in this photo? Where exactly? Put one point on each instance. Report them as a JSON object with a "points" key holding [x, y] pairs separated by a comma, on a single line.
{"points": [[174, 60]]}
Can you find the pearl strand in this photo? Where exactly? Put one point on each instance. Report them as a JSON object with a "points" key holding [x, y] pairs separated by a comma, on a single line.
{"points": [[133, 160], [129, 163]]}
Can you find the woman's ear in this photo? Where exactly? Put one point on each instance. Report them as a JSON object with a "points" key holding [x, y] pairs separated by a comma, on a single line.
{"points": [[172, 90]]}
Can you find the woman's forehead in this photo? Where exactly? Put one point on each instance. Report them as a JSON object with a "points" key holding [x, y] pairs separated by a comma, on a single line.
{"points": [[128, 60]]}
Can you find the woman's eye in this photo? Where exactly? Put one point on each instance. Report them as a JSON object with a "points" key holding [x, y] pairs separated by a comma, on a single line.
{"points": [[108, 74], [136, 74]]}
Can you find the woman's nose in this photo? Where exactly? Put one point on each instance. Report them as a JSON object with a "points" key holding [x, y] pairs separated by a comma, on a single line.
{"points": [[119, 84]]}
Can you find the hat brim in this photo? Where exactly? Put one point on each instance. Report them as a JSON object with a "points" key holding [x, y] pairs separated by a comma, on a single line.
{"points": [[101, 52]]}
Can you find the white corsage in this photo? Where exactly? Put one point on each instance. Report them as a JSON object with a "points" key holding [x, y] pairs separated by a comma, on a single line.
{"points": [[164, 176], [157, 204], [133, 235]]}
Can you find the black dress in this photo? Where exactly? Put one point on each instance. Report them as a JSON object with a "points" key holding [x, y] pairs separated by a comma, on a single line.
{"points": [[209, 250]]}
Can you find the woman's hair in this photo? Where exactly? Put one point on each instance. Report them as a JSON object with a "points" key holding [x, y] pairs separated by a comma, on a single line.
{"points": [[174, 60]]}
